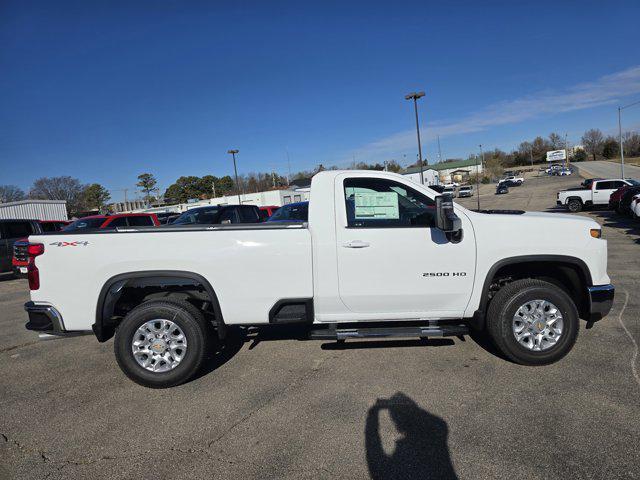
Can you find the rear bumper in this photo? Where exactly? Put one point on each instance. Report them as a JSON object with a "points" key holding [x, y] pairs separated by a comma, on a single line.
{"points": [[600, 301], [44, 318]]}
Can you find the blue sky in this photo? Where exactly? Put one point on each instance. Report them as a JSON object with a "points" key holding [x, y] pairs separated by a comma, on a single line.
{"points": [[106, 90]]}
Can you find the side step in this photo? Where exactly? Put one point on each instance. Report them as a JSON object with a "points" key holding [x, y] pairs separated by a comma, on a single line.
{"points": [[334, 333]]}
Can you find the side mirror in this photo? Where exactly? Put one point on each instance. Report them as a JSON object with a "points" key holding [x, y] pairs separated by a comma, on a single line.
{"points": [[446, 219]]}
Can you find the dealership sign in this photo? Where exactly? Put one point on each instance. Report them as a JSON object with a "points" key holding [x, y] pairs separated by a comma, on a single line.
{"points": [[555, 155]]}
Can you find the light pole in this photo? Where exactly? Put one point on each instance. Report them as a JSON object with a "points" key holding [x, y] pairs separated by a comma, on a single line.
{"points": [[478, 175], [235, 169], [415, 96], [620, 135]]}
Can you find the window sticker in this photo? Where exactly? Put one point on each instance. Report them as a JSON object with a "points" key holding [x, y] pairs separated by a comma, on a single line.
{"points": [[376, 206]]}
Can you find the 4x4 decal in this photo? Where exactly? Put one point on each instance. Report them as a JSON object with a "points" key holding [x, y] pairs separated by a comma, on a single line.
{"points": [[70, 244]]}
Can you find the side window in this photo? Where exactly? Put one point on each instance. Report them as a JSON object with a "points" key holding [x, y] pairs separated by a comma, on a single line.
{"points": [[117, 222], [297, 198], [618, 184], [604, 185], [248, 215], [287, 199], [381, 203], [49, 226], [18, 229], [144, 221], [229, 215]]}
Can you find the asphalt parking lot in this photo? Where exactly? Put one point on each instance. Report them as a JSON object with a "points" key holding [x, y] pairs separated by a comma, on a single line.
{"points": [[308, 409]]}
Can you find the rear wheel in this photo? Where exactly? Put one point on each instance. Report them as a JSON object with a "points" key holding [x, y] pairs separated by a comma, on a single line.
{"points": [[532, 322], [161, 344], [574, 205]]}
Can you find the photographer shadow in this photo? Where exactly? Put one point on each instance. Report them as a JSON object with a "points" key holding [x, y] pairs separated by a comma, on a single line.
{"points": [[422, 450]]}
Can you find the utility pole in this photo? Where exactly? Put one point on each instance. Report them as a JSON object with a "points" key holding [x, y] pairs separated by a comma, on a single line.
{"points": [[235, 169], [531, 154], [620, 135], [566, 151], [415, 96], [288, 168], [439, 151], [213, 187], [478, 175]]}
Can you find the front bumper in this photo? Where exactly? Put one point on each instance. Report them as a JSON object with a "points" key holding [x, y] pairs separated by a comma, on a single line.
{"points": [[600, 301], [47, 320]]}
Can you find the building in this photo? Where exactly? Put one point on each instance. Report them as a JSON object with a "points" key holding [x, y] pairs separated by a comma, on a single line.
{"points": [[430, 175], [446, 172], [34, 210], [261, 199]]}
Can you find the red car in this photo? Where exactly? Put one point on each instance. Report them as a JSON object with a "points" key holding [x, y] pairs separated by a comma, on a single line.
{"points": [[20, 260], [266, 212], [113, 221]]}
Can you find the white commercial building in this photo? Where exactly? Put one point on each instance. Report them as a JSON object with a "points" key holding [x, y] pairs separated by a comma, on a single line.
{"points": [[275, 198], [445, 172], [34, 210]]}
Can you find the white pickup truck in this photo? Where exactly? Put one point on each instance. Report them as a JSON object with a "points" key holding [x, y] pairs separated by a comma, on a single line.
{"points": [[596, 193], [379, 256]]}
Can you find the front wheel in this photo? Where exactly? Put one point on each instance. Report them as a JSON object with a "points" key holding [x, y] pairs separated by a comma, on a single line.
{"points": [[574, 205], [533, 322], [161, 344]]}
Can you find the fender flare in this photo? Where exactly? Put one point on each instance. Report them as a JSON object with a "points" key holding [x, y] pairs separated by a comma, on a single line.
{"points": [[110, 293], [479, 315]]}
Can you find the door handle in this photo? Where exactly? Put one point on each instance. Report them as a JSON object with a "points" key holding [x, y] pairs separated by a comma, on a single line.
{"points": [[356, 244]]}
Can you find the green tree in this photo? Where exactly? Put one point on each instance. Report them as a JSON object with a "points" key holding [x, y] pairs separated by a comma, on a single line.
{"points": [[147, 183], [94, 197], [579, 156], [610, 148]]}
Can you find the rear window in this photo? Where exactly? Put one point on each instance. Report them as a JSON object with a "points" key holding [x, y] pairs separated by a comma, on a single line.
{"points": [[83, 224], [144, 221], [198, 216]]}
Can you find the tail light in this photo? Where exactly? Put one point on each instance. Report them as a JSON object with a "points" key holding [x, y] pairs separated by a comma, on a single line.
{"points": [[33, 274]]}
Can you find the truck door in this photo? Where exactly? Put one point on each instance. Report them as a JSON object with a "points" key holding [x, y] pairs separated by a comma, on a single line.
{"points": [[391, 258]]}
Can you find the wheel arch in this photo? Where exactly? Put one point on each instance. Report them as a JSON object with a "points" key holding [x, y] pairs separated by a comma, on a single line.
{"points": [[560, 267], [112, 289]]}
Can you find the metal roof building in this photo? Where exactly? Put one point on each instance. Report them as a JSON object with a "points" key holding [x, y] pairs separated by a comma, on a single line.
{"points": [[34, 210]]}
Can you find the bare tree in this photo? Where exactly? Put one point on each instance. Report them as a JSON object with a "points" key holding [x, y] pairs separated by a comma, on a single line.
{"points": [[556, 141], [11, 193], [59, 188], [593, 141]]}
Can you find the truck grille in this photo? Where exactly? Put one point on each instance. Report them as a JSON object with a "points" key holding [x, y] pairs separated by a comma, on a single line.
{"points": [[20, 251]]}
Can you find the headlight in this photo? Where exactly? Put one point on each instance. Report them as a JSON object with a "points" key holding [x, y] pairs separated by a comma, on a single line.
{"points": [[596, 232]]}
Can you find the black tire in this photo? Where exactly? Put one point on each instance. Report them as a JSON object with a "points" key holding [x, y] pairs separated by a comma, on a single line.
{"points": [[504, 306], [183, 314], [574, 205]]}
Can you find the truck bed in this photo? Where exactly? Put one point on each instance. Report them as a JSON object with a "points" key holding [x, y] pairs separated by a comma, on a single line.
{"points": [[275, 264]]}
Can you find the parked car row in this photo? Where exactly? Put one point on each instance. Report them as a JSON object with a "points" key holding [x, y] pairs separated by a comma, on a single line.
{"points": [[14, 254], [626, 200], [556, 169]]}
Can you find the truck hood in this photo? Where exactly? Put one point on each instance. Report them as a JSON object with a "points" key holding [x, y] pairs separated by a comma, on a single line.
{"points": [[577, 219]]}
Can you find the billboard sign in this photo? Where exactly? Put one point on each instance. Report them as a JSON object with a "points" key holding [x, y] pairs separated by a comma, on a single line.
{"points": [[556, 155]]}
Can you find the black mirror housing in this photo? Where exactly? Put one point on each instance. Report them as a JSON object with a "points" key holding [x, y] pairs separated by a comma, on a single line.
{"points": [[446, 218]]}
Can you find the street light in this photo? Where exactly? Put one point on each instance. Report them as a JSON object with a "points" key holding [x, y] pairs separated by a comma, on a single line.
{"points": [[415, 96], [235, 169], [620, 134]]}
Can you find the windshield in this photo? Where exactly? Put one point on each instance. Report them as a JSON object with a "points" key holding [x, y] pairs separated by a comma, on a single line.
{"points": [[84, 223], [633, 182], [207, 215]]}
